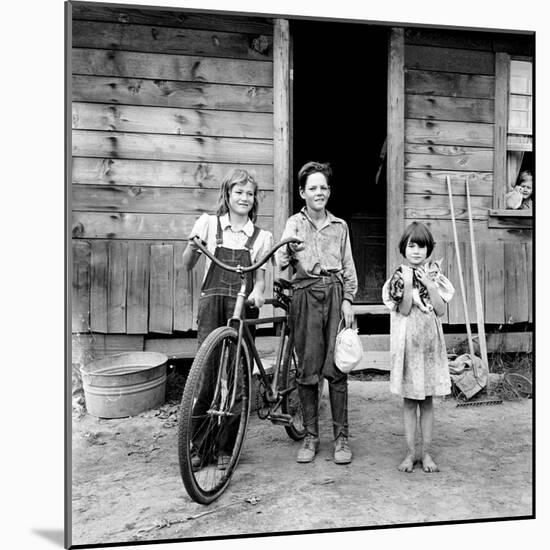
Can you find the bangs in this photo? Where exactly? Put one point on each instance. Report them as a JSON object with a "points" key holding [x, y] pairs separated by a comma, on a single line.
{"points": [[419, 234]]}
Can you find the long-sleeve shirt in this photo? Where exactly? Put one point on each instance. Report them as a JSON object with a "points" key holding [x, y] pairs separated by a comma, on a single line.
{"points": [[327, 250]]}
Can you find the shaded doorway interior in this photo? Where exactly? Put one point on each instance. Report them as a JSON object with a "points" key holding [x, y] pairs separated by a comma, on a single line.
{"points": [[339, 106]]}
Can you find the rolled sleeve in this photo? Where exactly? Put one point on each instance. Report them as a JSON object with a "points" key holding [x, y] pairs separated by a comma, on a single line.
{"points": [[265, 246]]}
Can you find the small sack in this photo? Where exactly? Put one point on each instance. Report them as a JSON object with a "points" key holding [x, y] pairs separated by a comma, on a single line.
{"points": [[348, 350]]}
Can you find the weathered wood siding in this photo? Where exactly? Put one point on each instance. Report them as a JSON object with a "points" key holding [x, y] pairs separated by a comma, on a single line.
{"points": [[164, 103], [449, 130]]}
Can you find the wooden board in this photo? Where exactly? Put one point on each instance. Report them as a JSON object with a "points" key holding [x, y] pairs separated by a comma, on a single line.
{"points": [[160, 66], [449, 59], [395, 151], [529, 279], [170, 93], [429, 132], [432, 107], [116, 288], [161, 288], [442, 230], [516, 303], [111, 171], [449, 84], [137, 296], [172, 17], [185, 148], [441, 253], [434, 182], [89, 347], [502, 77], [492, 257], [99, 283], [81, 259], [103, 225], [177, 200], [183, 291], [437, 206], [160, 120], [281, 125], [510, 222], [448, 157], [167, 40]]}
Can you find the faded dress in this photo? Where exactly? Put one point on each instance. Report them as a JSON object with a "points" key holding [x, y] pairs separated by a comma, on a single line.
{"points": [[418, 355]]}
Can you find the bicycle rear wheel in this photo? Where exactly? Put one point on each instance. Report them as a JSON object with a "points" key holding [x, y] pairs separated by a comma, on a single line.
{"points": [[213, 416]]}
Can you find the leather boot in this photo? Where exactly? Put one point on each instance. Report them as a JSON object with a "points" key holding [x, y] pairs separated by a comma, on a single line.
{"points": [[339, 410], [309, 401]]}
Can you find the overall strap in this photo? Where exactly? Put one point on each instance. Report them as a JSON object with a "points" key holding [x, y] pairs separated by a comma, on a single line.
{"points": [[252, 239], [219, 232]]}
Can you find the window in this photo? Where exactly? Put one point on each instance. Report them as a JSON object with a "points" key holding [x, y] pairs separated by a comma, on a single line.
{"points": [[513, 128]]}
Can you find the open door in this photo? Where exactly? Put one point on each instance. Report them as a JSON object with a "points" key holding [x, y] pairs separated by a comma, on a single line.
{"points": [[339, 116]]}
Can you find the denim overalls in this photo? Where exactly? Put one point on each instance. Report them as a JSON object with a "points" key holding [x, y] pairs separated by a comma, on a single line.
{"points": [[216, 304]]}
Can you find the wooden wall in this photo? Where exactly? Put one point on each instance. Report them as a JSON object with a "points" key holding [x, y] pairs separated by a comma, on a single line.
{"points": [[164, 103], [449, 130]]}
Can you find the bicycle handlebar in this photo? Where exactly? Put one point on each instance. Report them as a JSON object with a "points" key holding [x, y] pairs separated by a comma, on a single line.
{"points": [[239, 269]]}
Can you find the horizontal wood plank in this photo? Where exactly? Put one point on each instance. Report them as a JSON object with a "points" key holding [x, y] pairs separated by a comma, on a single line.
{"points": [[433, 107], [110, 171], [442, 231], [170, 93], [161, 66], [437, 206], [435, 182], [448, 157], [146, 38], [104, 225], [165, 147], [162, 120], [176, 200], [449, 84], [449, 60], [470, 40], [449, 133], [172, 17]]}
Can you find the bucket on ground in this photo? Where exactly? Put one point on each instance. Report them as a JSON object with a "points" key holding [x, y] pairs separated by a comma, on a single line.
{"points": [[125, 384]]}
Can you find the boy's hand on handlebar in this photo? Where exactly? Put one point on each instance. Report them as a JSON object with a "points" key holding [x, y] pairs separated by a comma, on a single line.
{"points": [[297, 246], [256, 299]]}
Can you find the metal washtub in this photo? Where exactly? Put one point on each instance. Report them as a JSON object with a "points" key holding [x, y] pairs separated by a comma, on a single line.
{"points": [[125, 384]]}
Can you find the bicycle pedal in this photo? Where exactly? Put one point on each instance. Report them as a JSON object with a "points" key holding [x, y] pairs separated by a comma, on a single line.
{"points": [[284, 419]]}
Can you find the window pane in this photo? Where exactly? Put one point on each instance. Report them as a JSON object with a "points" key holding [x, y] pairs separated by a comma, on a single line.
{"points": [[521, 77]]}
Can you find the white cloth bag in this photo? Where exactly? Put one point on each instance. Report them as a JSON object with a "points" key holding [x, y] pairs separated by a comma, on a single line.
{"points": [[348, 350]]}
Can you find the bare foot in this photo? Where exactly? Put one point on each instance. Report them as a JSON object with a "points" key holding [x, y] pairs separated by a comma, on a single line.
{"points": [[428, 465], [407, 464]]}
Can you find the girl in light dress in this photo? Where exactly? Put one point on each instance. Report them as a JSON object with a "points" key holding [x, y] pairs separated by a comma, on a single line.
{"points": [[417, 294]]}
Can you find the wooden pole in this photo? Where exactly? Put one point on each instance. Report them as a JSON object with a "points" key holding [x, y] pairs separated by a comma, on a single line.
{"points": [[477, 286], [460, 276], [281, 125]]}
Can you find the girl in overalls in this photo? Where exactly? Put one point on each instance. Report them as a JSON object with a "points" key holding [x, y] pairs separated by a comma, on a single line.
{"points": [[232, 237]]}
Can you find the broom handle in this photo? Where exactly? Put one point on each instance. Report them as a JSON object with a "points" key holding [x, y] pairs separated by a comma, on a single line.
{"points": [[460, 277], [477, 286]]}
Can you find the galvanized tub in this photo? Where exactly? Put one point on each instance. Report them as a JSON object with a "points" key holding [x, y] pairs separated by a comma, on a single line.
{"points": [[125, 384]]}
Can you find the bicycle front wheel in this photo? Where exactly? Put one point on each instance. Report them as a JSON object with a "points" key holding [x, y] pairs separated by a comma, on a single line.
{"points": [[214, 415]]}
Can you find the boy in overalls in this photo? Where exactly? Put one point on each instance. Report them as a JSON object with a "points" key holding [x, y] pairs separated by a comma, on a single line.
{"points": [[325, 283]]}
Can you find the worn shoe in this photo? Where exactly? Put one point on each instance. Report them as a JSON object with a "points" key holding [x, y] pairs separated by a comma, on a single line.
{"points": [[309, 449], [342, 452], [223, 461]]}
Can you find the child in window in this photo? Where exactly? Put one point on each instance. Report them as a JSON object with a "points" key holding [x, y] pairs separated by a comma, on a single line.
{"points": [[520, 198]]}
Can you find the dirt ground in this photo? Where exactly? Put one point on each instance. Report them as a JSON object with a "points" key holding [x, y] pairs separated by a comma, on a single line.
{"points": [[127, 488]]}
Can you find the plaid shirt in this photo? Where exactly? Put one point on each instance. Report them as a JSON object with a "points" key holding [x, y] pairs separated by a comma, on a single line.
{"points": [[327, 250]]}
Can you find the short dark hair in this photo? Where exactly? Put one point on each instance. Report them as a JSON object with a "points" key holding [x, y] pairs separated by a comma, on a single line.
{"points": [[312, 168], [523, 175], [419, 234]]}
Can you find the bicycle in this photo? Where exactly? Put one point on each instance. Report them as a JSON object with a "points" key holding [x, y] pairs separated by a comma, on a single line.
{"points": [[216, 401]]}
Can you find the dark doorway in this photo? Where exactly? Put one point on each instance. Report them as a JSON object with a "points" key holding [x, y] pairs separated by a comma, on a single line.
{"points": [[339, 116]]}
